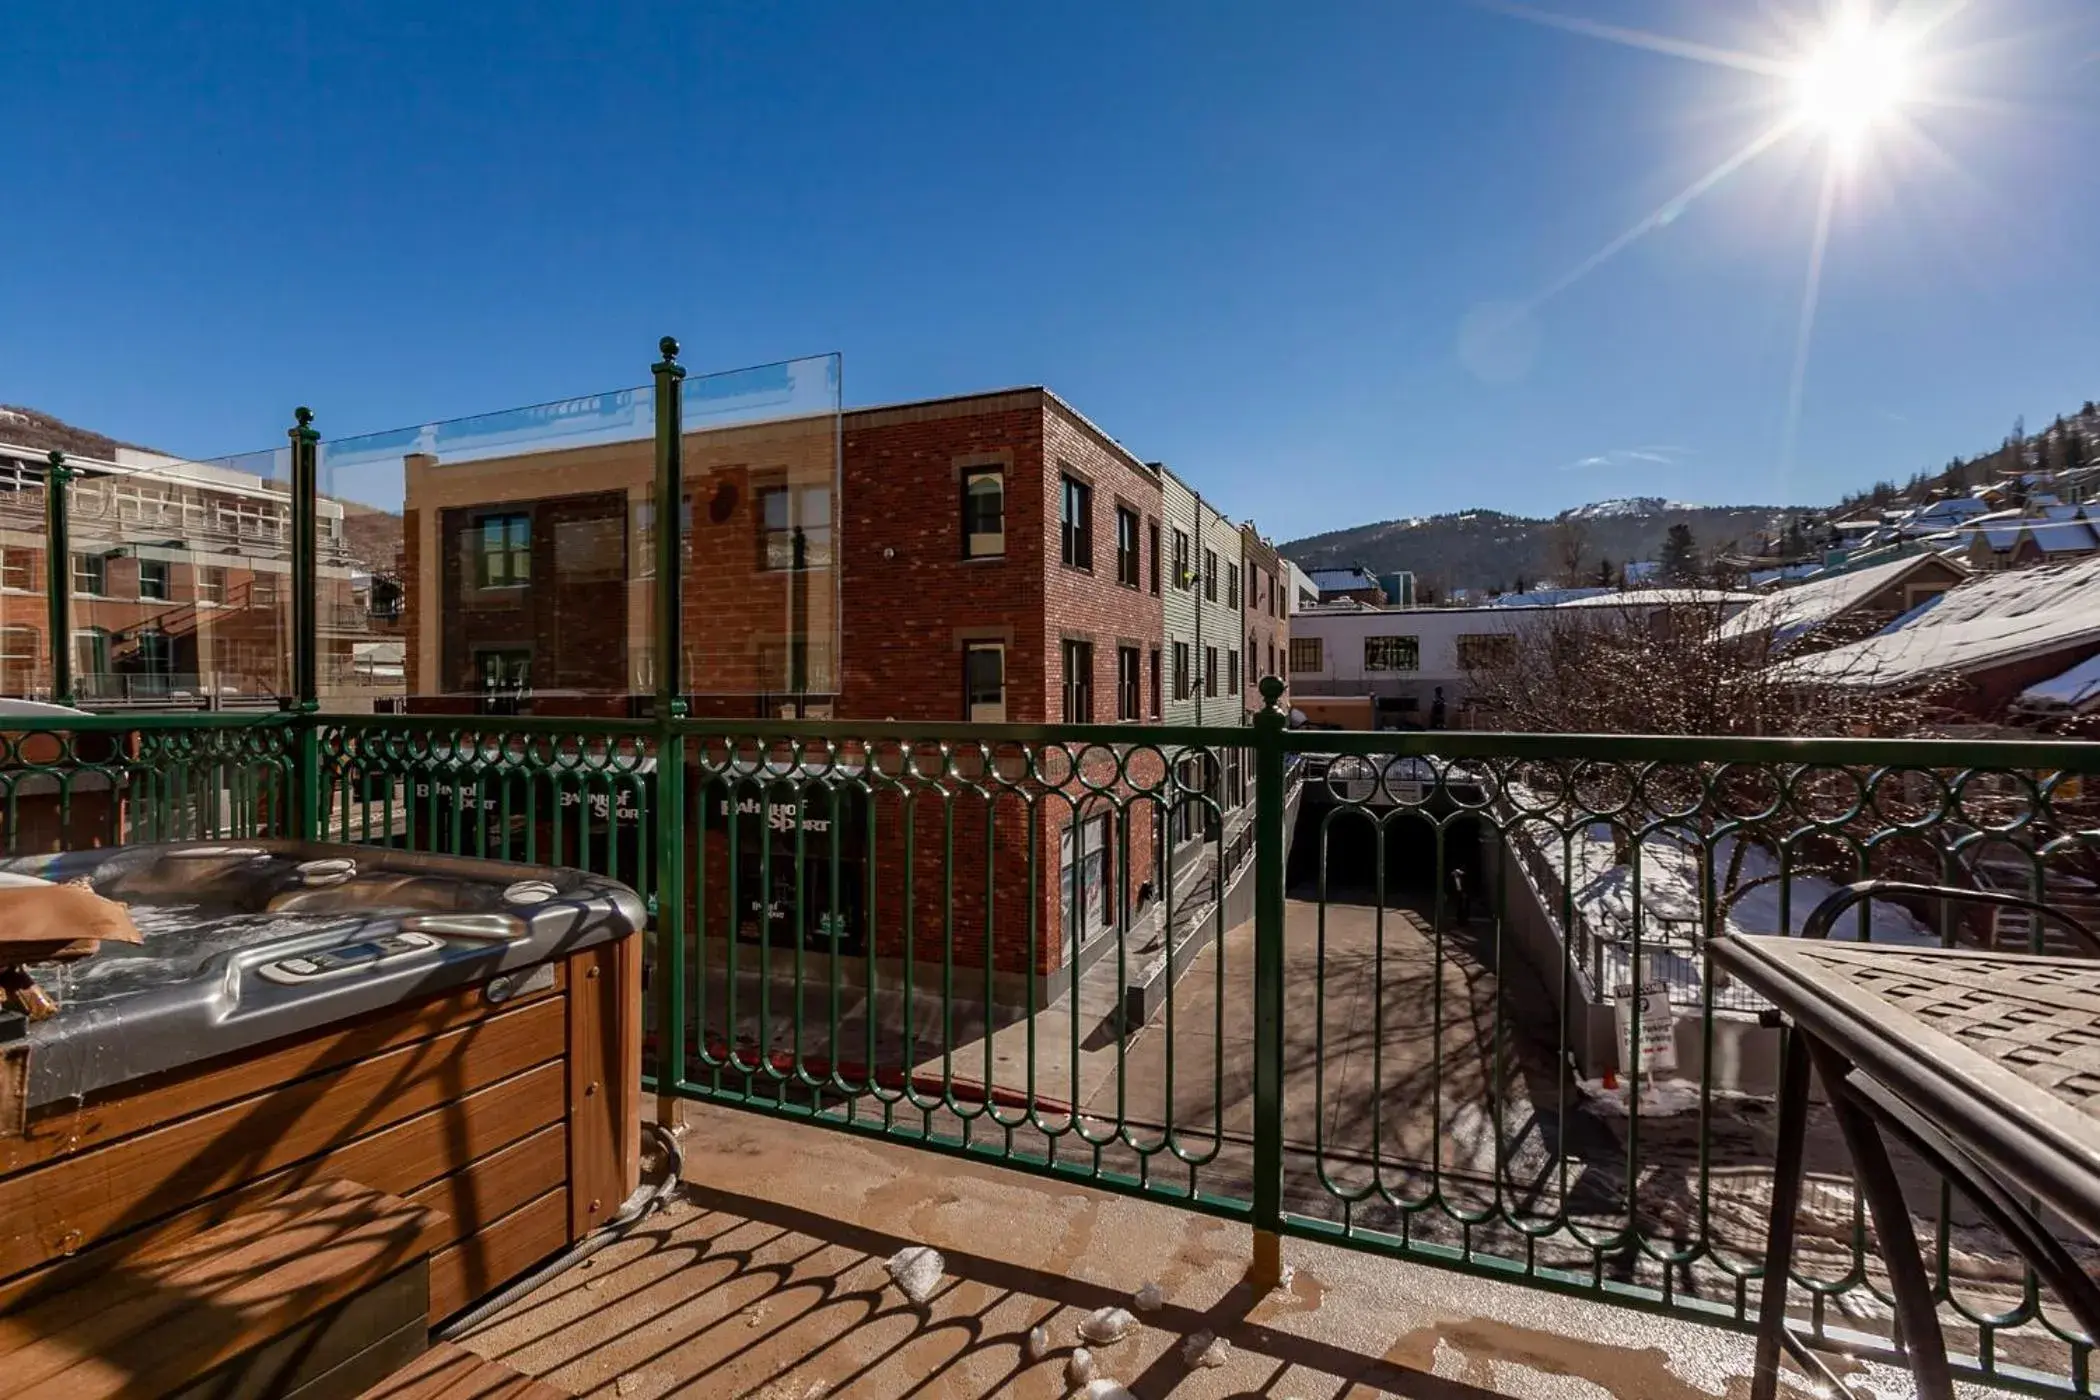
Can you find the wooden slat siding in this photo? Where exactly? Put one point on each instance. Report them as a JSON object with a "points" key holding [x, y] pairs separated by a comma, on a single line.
{"points": [[500, 1253], [55, 1208], [329, 1243], [407, 1159], [449, 1372], [605, 1082], [59, 1130], [499, 1183], [393, 1318], [627, 1081]]}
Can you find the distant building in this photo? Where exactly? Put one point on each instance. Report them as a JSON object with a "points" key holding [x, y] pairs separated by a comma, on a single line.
{"points": [[1399, 588], [1354, 585], [179, 583]]}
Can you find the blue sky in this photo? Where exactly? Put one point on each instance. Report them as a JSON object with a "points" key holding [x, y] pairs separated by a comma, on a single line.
{"points": [[1274, 245]]}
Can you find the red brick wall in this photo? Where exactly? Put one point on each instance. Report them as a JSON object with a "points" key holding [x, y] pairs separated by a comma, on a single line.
{"points": [[909, 598]]}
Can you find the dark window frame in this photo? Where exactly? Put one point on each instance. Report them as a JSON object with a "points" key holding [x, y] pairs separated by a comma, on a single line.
{"points": [[971, 701], [1152, 542], [1393, 655], [1210, 575], [1076, 524], [1078, 658], [1306, 655], [972, 521], [1129, 684], [1128, 547], [510, 547]]}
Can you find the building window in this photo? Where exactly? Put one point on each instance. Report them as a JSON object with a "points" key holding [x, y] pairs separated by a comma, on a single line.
{"points": [[1158, 709], [1152, 555], [1210, 670], [16, 569], [1127, 683], [153, 579], [1079, 682], [1078, 544], [1392, 654], [1232, 673], [503, 668], [211, 584], [1126, 547], [1232, 584], [984, 682], [1486, 650], [1305, 655], [18, 660], [1253, 655], [1210, 574], [795, 522], [503, 551], [90, 574], [984, 513], [90, 652], [1182, 577], [262, 591], [1088, 908], [1181, 670], [1270, 669]]}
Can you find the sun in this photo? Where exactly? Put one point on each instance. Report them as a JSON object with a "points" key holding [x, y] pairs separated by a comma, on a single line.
{"points": [[1853, 81]]}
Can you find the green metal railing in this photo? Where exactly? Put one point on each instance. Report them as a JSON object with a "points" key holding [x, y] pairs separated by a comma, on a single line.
{"points": [[1381, 1033], [1040, 946]]}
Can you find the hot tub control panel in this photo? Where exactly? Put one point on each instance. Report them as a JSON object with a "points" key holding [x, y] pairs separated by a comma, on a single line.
{"points": [[345, 959]]}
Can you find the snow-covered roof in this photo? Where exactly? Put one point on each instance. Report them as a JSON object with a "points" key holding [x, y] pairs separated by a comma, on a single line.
{"points": [[2076, 690], [2062, 536], [1546, 597], [1340, 580], [1986, 622], [1792, 613], [1661, 598], [1954, 508]]}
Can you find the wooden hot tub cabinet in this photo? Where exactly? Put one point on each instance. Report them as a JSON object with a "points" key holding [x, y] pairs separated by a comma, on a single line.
{"points": [[520, 1119]]}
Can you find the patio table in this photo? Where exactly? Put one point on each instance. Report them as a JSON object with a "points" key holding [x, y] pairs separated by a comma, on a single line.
{"points": [[1984, 1064]]}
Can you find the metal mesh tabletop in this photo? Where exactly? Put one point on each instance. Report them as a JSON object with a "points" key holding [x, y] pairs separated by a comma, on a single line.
{"points": [[2002, 1051]]}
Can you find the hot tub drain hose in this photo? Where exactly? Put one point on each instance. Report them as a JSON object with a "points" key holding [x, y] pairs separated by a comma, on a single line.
{"points": [[646, 1198]]}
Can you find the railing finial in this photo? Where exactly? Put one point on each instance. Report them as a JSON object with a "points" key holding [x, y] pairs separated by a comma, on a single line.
{"points": [[1271, 688]]}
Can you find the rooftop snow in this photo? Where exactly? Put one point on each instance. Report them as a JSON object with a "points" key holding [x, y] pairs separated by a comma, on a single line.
{"points": [[2076, 689], [1986, 622], [1662, 598], [1792, 613]]}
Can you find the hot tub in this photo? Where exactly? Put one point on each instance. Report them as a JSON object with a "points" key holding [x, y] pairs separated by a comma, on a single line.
{"points": [[460, 1032]]}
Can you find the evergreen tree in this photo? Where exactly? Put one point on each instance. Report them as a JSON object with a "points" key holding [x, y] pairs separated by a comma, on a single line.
{"points": [[1796, 543], [1680, 555], [1605, 576]]}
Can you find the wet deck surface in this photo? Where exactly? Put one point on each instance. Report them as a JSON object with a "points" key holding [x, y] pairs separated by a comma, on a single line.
{"points": [[767, 1280]]}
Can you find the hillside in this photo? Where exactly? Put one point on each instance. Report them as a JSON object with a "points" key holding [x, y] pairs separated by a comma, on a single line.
{"points": [[40, 432], [1487, 549]]}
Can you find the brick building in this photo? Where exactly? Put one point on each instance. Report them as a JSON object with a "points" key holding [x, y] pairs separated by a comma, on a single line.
{"points": [[1267, 613], [179, 582], [992, 557]]}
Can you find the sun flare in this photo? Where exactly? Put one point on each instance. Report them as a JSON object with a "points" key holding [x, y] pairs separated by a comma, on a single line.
{"points": [[1853, 81]]}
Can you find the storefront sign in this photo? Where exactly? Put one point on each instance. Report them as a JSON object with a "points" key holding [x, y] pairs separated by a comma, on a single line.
{"points": [[780, 816]]}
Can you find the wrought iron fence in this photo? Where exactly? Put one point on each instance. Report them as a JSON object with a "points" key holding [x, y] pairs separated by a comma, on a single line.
{"points": [[1396, 1033]]}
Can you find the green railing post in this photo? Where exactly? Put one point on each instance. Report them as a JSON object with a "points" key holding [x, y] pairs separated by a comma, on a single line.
{"points": [[58, 574], [1267, 1269], [306, 609], [670, 741]]}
